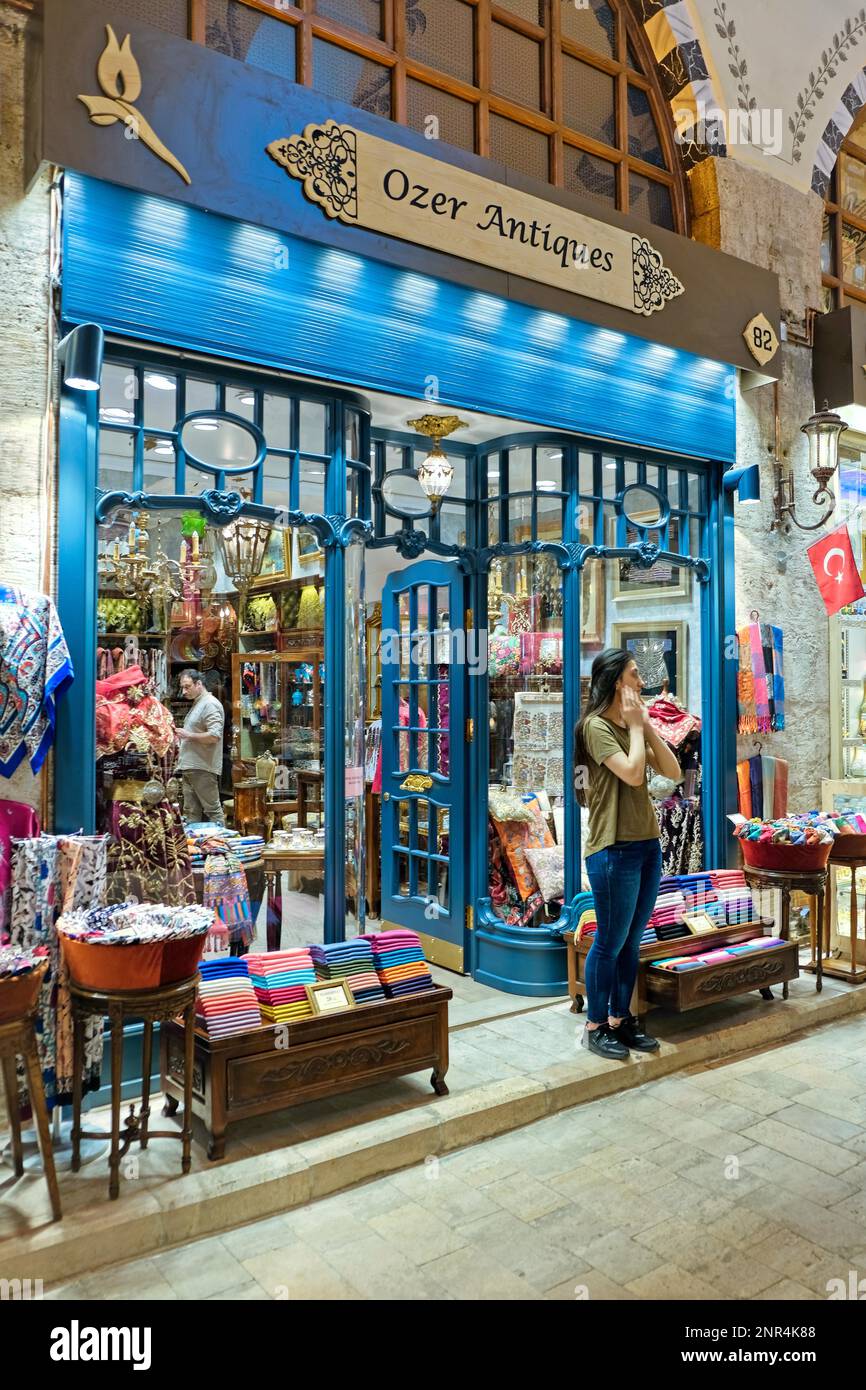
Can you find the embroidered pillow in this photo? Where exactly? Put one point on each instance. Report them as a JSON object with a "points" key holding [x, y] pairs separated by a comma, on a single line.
{"points": [[548, 865]]}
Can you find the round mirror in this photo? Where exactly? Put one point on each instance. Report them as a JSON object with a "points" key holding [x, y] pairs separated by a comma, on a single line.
{"points": [[401, 493], [644, 506], [220, 442]]}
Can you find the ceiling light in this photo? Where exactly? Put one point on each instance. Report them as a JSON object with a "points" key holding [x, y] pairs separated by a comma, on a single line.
{"points": [[205, 424], [436, 472], [545, 485], [249, 399], [159, 382], [115, 412]]}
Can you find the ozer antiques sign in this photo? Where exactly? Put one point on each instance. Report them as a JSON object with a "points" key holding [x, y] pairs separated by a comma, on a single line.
{"points": [[116, 99], [368, 182]]}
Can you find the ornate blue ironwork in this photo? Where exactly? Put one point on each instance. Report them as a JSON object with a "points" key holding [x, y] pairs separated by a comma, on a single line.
{"points": [[220, 508], [643, 554]]}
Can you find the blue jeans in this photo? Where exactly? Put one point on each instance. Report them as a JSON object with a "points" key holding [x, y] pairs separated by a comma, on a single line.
{"points": [[625, 881]]}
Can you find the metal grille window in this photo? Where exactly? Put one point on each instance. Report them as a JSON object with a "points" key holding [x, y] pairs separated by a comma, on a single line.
{"points": [[843, 245], [565, 94]]}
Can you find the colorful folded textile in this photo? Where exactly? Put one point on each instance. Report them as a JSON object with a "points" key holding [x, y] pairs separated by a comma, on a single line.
{"points": [[135, 924], [14, 961], [226, 1002], [399, 961], [810, 828], [278, 978]]}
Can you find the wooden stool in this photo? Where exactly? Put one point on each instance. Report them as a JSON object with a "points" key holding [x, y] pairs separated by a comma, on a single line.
{"points": [[158, 1005], [813, 883], [18, 1039]]}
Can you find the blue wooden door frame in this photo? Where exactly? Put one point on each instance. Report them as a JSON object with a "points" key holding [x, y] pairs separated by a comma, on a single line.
{"points": [[446, 792]]}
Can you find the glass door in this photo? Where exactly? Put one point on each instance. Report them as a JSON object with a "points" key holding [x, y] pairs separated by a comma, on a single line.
{"points": [[424, 757]]}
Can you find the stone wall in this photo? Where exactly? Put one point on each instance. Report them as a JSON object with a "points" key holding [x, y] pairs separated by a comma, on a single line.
{"points": [[25, 497], [749, 214]]}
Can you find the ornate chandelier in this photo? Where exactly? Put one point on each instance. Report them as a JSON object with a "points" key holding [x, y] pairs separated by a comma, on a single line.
{"points": [[435, 472]]}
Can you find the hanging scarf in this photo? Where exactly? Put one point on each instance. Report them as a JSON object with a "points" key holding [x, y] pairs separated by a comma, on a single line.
{"points": [[35, 669], [744, 789], [760, 680], [225, 890], [671, 722]]}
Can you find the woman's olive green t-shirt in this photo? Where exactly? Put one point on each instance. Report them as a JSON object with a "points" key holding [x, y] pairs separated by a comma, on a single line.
{"points": [[616, 810]]}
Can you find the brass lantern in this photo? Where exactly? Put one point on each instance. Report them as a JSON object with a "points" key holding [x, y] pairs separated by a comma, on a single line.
{"points": [[244, 543], [436, 471]]}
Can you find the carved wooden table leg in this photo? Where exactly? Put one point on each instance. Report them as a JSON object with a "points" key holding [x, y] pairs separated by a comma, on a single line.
{"points": [[819, 935], [77, 1064], [189, 1041], [40, 1115], [116, 1019], [146, 1065], [786, 925], [10, 1080]]}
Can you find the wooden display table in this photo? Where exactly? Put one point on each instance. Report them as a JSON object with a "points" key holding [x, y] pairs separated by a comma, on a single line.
{"points": [[276, 860], [270, 1068], [849, 971], [156, 1005], [18, 1039], [813, 883], [689, 989]]}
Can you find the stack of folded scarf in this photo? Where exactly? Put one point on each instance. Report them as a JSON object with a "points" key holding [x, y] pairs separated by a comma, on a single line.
{"points": [[353, 962], [849, 822], [719, 956], [14, 961], [733, 894], [701, 896], [226, 1002], [400, 963], [206, 837], [810, 828], [667, 915], [279, 978]]}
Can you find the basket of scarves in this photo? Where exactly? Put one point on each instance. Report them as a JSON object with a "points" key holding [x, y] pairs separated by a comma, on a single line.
{"points": [[792, 844], [848, 848], [133, 946], [21, 976]]}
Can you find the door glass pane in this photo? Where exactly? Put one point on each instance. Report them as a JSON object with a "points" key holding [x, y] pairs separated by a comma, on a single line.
{"points": [[277, 421], [441, 35], [515, 66], [588, 100], [160, 400], [313, 427], [452, 524], [593, 25], [520, 519], [518, 147], [643, 136], [117, 398], [311, 490], [200, 395], [526, 739], [349, 77], [275, 484], [241, 400], [116, 451], [159, 466], [519, 470]]}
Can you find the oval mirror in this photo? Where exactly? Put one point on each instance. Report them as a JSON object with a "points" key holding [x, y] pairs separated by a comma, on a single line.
{"points": [[644, 506], [219, 441], [401, 493]]}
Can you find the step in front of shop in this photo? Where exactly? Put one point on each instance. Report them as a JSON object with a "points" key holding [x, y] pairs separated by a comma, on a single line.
{"points": [[235, 1193]]}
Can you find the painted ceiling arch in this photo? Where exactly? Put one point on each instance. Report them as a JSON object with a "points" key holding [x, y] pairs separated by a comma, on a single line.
{"points": [[739, 87]]}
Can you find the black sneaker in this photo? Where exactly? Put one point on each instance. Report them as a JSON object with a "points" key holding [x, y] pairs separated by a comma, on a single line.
{"points": [[603, 1042], [631, 1033]]}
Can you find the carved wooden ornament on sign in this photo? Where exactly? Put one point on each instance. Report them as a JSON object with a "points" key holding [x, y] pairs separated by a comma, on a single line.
{"points": [[364, 181]]}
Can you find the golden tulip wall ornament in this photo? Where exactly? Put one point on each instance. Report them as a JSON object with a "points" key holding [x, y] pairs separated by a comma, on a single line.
{"points": [[120, 79]]}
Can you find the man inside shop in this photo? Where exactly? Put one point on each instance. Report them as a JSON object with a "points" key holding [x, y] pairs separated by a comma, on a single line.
{"points": [[201, 751]]}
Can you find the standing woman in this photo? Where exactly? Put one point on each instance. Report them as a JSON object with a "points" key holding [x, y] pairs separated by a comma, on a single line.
{"points": [[613, 742]]}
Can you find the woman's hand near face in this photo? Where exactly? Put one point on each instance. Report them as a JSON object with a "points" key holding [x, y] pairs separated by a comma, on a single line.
{"points": [[633, 710]]}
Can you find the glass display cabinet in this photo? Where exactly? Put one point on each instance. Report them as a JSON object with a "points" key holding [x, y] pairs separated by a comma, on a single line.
{"points": [[848, 693]]}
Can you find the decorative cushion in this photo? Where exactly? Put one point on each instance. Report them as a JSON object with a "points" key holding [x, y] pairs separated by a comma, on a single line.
{"points": [[506, 805], [548, 865], [503, 656], [516, 838]]}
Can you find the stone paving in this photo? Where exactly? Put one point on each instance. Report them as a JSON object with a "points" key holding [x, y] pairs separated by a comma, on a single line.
{"points": [[743, 1180]]}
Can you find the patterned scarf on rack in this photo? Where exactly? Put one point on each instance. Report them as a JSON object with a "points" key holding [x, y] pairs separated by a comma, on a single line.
{"points": [[225, 890], [760, 680]]}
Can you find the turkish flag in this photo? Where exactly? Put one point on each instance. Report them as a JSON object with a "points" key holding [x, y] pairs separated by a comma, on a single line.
{"points": [[832, 559]]}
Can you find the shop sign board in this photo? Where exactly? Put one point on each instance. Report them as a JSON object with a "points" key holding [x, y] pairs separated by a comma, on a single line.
{"points": [[365, 181]]}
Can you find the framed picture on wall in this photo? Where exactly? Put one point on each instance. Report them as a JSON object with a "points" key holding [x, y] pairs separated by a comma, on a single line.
{"points": [[309, 550], [662, 580], [659, 648], [275, 564]]}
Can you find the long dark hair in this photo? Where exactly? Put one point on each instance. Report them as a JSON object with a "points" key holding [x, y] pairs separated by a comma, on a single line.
{"points": [[606, 671]]}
